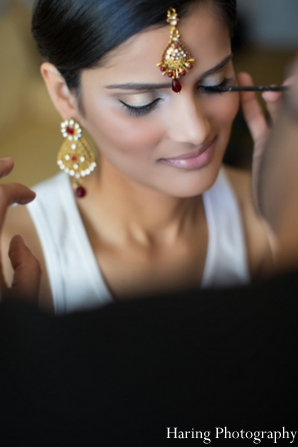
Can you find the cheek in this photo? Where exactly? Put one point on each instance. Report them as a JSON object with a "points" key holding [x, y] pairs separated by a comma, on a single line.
{"points": [[225, 109], [122, 132]]}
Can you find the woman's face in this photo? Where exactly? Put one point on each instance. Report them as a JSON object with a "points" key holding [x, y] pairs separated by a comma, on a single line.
{"points": [[150, 135]]}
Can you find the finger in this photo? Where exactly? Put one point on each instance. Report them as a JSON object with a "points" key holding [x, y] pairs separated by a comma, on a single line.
{"points": [[273, 104], [6, 166], [27, 272], [252, 110], [274, 100], [13, 193]]}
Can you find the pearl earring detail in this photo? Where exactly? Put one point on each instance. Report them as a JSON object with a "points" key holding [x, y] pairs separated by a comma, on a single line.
{"points": [[75, 157]]}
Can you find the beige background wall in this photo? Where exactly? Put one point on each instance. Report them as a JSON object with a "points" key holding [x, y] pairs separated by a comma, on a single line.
{"points": [[29, 125]]}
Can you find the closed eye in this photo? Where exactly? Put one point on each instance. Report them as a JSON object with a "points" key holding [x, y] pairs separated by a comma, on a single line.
{"points": [[140, 110]]}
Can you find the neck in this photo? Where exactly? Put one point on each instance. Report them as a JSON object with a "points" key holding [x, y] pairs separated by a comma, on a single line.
{"points": [[130, 210]]}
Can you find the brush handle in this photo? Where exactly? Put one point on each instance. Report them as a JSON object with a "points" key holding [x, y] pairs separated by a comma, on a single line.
{"points": [[250, 88]]}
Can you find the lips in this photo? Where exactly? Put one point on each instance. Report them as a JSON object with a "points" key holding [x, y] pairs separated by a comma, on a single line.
{"points": [[192, 160]]}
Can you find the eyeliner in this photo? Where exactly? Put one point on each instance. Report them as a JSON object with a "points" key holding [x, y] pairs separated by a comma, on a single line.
{"points": [[249, 88]]}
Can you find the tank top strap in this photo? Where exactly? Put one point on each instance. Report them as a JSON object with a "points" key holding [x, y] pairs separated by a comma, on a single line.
{"points": [[74, 275], [226, 261]]}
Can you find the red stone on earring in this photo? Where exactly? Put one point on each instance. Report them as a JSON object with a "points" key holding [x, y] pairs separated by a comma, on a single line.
{"points": [[80, 192], [176, 86], [70, 130]]}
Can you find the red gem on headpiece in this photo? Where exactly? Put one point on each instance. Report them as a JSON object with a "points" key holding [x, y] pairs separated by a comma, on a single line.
{"points": [[70, 130], [176, 86], [80, 192], [74, 158], [176, 59]]}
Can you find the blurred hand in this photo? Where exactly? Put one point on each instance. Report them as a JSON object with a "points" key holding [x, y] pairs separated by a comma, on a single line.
{"points": [[26, 267], [257, 122]]}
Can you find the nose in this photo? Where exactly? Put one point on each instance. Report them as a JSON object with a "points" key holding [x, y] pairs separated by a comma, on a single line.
{"points": [[188, 122]]}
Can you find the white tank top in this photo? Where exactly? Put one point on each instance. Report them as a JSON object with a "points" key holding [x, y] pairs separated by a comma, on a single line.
{"points": [[75, 277]]}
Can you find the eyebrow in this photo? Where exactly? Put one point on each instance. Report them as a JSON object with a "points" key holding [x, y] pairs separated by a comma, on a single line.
{"points": [[142, 87], [218, 67]]}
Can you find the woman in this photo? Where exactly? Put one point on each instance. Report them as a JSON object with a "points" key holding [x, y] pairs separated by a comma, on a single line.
{"points": [[160, 213]]}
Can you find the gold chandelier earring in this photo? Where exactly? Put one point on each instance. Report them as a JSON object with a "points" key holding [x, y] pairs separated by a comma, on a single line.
{"points": [[75, 157], [176, 59]]}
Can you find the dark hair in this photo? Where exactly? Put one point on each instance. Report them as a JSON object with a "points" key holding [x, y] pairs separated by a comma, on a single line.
{"points": [[77, 34]]}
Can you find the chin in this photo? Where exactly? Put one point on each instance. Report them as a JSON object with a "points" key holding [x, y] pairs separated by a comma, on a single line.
{"points": [[194, 183]]}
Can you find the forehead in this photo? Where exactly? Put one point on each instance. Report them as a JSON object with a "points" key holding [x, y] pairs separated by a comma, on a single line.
{"points": [[203, 33]]}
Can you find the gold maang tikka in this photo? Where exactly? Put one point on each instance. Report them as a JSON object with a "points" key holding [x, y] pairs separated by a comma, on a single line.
{"points": [[75, 157], [176, 59]]}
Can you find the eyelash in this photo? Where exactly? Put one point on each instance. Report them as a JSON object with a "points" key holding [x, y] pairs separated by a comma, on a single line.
{"points": [[144, 110], [225, 83]]}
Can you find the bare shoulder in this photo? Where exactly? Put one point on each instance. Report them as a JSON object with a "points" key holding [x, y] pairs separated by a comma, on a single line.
{"points": [[18, 221], [259, 253]]}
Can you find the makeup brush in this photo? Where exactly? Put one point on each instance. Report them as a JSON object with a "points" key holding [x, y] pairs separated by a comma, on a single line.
{"points": [[249, 88]]}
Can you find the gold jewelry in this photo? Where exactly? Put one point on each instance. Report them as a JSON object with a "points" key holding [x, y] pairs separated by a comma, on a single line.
{"points": [[176, 59], [75, 157]]}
